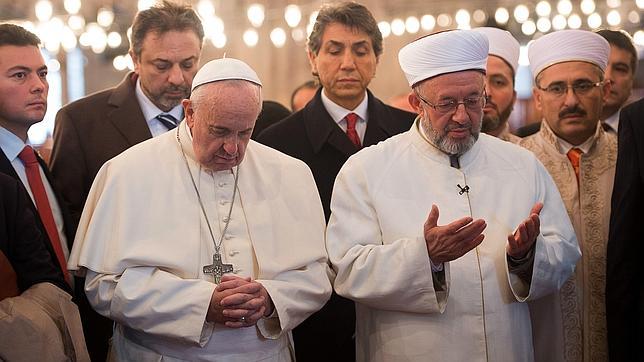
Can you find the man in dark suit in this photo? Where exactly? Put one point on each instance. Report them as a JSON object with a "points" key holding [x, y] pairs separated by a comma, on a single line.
{"points": [[165, 48], [343, 117], [624, 273]]}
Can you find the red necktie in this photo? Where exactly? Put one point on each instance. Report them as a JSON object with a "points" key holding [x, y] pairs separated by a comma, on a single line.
{"points": [[32, 169], [352, 118], [574, 155]]}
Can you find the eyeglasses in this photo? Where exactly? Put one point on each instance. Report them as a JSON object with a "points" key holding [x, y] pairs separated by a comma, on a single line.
{"points": [[472, 104], [581, 88]]}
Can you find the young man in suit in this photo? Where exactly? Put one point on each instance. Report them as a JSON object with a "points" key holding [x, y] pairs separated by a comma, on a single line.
{"points": [[343, 117], [624, 281], [165, 48]]}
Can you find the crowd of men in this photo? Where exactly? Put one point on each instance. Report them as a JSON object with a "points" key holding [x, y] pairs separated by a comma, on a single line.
{"points": [[184, 217]]}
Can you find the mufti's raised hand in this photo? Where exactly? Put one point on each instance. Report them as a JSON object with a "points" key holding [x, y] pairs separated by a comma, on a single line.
{"points": [[245, 303], [525, 235], [451, 241]]}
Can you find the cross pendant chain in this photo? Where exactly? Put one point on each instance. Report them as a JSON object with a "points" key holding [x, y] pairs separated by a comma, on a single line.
{"points": [[217, 268]]}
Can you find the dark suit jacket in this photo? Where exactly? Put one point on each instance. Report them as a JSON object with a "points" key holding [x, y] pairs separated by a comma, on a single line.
{"points": [[89, 132], [624, 272], [7, 169], [312, 136], [22, 240]]}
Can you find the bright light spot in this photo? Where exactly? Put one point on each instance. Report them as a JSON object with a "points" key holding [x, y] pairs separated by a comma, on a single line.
{"points": [[278, 37], [528, 27], [521, 13], [76, 22], [53, 65], [309, 29], [255, 15], [68, 39], [44, 10], [313, 17], [479, 16], [206, 9], [638, 37], [37, 133], [544, 25], [398, 27], [94, 37], [105, 17], [574, 21], [114, 39], [594, 21], [640, 4], [119, 63], [462, 17], [292, 15], [219, 40], [212, 26], [298, 34], [502, 15], [145, 4], [412, 25], [385, 28], [634, 17], [559, 22], [251, 37], [72, 6], [523, 55], [543, 8], [587, 6], [564, 7], [613, 3], [444, 20], [613, 18], [427, 22]]}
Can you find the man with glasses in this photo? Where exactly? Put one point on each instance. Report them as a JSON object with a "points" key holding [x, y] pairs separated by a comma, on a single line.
{"points": [[440, 233], [569, 90]]}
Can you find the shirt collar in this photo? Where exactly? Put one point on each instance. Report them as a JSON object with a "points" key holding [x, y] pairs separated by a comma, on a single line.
{"points": [[11, 144], [613, 120], [338, 112], [150, 111]]}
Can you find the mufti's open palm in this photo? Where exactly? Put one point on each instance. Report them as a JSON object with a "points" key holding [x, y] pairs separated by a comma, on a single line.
{"points": [[525, 235], [451, 241]]}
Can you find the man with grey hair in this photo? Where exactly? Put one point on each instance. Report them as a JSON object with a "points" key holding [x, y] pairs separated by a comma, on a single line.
{"points": [[449, 290], [229, 265], [342, 118]]}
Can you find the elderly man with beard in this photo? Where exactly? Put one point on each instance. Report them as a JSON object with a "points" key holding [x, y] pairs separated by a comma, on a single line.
{"points": [[440, 233], [502, 64], [569, 89]]}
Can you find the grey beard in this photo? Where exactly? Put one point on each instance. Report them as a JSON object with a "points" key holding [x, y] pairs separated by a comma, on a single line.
{"points": [[446, 144]]}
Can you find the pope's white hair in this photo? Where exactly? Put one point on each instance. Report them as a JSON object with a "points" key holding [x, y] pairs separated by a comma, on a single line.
{"points": [[215, 92]]}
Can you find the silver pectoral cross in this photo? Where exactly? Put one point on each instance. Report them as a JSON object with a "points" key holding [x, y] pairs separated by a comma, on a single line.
{"points": [[217, 268]]}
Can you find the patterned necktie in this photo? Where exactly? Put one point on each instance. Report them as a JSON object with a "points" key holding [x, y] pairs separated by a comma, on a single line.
{"points": [[574, 155], [32, 169], [352, 118], [167, 120]]}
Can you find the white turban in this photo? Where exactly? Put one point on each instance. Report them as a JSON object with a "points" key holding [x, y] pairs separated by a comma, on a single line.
{"points": [[441, 53], [503, 45], [225, 69], [568, 46]]}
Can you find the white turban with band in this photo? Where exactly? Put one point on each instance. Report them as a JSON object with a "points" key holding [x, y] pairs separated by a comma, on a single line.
{"points": [[568, 46], [225, 69], [502, 45], [441, 53]]}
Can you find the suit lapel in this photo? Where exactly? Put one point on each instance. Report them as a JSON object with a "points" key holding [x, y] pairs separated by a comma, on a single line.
{"points": [[127, 116], [321, 129], [378, 125]]}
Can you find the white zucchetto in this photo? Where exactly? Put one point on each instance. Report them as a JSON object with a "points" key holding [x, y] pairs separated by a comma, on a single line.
{"points": [[441, 53], [567, 46], [225, 69], [503, 45]]}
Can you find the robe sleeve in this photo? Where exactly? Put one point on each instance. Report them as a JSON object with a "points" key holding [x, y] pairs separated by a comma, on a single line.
{"points": [[393, 276], [556, 252], [153, 301]]}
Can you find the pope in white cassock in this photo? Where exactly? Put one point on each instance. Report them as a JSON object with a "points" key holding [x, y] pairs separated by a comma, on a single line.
{"points": [[167, 218], [439, 234]]}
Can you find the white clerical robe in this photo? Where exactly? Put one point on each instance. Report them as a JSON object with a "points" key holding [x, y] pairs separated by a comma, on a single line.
{"points": [[144, 254], [375, 241]]}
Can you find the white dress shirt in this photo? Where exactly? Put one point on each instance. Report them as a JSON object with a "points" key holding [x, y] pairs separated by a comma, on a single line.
{"points": [[150, 112], [338, 113]]}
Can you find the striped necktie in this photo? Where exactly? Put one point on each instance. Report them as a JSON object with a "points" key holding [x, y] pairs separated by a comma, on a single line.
{"points": [[167, 120]]}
